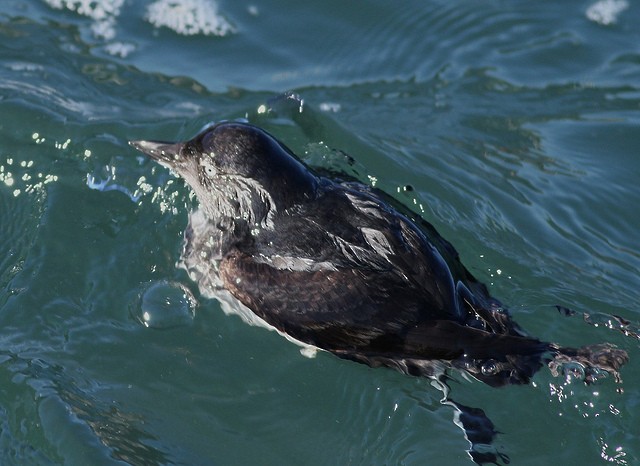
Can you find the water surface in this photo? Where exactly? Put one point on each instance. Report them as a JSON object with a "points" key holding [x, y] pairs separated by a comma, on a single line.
{"points": [[515, 125]]}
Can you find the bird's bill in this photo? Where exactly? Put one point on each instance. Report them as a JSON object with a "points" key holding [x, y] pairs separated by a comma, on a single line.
{"points": [[167, 153]]}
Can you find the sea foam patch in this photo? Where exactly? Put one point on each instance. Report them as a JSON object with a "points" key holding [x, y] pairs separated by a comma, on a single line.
{"points": [[95, 9], [606, 12], [185, 17], [104, 15], [189, 17]]}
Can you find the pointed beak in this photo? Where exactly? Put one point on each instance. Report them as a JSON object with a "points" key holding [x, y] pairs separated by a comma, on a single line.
{"points": [[167, 153]]}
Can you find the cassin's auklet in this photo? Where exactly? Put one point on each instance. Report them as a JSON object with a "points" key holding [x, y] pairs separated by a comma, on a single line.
{"points": [[335, 265]]}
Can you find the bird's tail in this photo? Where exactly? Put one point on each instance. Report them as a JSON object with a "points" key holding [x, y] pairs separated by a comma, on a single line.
{"points": [[493, 358]]}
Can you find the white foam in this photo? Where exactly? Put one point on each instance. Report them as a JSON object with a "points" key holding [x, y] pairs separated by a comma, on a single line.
{"points": [[94, 9], [104, 14], [189, 17], [119, 49], [606, 12]]}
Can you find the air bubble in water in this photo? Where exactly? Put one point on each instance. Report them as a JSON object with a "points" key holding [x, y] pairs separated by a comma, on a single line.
{"points": [[164, 304], [489, 368]]}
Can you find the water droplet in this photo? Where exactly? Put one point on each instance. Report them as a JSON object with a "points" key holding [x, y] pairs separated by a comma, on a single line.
{"points": [[489, 368], [164, 304]]}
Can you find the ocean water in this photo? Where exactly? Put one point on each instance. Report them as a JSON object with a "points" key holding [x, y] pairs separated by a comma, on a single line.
{"points": [[513, 127]]}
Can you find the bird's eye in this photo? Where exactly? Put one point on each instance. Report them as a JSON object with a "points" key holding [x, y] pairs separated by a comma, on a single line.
{"points": [[208, 168]]}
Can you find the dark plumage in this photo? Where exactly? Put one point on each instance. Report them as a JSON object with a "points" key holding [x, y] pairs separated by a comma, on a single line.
{"points": [[335, 265]]}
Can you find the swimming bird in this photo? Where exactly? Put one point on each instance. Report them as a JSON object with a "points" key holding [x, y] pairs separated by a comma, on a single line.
{"points": [[341, 266]]}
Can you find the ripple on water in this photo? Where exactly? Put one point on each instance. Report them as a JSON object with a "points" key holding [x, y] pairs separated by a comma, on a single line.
{"points": [[18, 230]]}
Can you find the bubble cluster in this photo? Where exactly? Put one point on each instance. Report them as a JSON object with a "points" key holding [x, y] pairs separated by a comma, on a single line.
{"points": [[103, 13], [185, 17], [188, 17], [606, 12], [98, 10]]}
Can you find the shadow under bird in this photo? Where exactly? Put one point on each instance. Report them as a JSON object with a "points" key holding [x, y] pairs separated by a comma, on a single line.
{"points": [[334, 264]]}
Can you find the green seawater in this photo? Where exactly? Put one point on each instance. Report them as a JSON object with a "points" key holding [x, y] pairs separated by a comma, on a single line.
{"points": [[516, 125]]}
